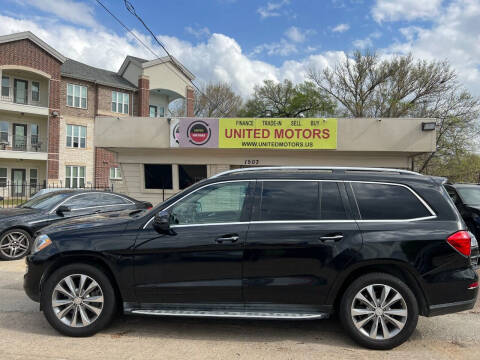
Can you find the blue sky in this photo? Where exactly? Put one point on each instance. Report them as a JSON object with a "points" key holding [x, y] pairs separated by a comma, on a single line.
{"points": [[246, 41]]}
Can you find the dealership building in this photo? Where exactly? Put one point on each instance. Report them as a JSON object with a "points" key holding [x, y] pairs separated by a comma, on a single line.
{"points": [[159, 157]]}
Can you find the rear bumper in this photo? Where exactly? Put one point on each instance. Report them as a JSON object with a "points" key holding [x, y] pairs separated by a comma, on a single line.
{"points": [[443, 309]]}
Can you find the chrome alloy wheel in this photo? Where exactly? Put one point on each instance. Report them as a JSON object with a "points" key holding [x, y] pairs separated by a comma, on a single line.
{"points": [[77, 300], [14, 244], [379, 311]]}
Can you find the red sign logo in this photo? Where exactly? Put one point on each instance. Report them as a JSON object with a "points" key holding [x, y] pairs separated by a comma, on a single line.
{"points": [[199, 133]]}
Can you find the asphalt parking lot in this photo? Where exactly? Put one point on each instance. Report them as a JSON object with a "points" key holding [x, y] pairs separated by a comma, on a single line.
{"points": [[25, 334]]}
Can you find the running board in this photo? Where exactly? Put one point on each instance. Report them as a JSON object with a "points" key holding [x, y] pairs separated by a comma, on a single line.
{"points": [[233, 314]]}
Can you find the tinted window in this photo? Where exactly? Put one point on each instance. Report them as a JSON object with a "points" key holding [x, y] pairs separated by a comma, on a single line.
{"points": [[46, 201], [212, 204], [387, 202], [190, 174], [331, 204], [470, 195], [110, 199], [289, 200], [83, 201], [158, 176]]}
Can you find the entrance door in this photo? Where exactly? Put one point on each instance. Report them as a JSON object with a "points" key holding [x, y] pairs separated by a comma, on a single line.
{"points": [[20, 137], [20, 95], [18, 182]]}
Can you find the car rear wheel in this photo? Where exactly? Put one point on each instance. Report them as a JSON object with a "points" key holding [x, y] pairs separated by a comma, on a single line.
{"points": [[379, 311], [14, 244], [78, 300]]}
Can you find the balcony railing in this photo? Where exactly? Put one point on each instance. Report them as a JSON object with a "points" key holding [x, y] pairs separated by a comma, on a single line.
{"points": [[8, 94], [21, 143]]}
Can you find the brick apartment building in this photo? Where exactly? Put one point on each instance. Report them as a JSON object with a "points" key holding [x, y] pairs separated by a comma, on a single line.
{"points": [[49, 106]]}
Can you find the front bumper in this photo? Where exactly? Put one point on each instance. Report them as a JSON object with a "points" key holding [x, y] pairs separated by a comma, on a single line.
{"points": [[32, 279]]}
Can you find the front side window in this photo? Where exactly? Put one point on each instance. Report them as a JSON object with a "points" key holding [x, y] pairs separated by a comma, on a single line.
{"points": [[45, 201], [5, 86], [158, 176], [120, 102], [77, 96], [76, 136], [3, 177], [217, 203], [75, 176], [388, 202], [35, 91], [3, 132], [190, 174], [83, 201], [115, 173]]}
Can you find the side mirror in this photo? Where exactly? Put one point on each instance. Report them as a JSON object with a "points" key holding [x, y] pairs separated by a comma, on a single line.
{"points": [[161, 222], [62, 209]]}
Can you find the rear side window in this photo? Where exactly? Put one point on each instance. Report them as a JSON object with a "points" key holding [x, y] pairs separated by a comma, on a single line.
{"points": [[109, 199], [301, 200], [388, 202]]}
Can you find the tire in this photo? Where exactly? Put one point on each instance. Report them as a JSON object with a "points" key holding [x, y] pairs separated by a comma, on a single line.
{"points": [[15, 244], [87, 314], [355, 313]]}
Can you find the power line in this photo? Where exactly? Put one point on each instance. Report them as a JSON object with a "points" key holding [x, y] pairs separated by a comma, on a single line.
{"points": [[131, 9]]}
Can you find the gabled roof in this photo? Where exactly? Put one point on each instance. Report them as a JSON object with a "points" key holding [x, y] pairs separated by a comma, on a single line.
{"points": [[143, 63], [30, 36], [78, 70]]}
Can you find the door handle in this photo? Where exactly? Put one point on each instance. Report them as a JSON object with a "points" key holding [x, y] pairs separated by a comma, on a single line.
{"points": [[232, 239], [336, 237]]}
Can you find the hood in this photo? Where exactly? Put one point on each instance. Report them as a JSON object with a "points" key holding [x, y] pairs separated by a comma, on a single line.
{"points": [[14, 212], [85, 223]]}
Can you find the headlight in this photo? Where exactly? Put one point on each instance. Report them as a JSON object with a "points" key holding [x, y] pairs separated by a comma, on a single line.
{"points": [[41, 242]]}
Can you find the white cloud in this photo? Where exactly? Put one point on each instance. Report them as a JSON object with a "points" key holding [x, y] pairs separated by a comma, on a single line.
{"points": [[281, 48], [394, 10], [198, 32], [297, 35], [72, 11], [272, 9], [454, 36], [367, 42], [340, 28]]}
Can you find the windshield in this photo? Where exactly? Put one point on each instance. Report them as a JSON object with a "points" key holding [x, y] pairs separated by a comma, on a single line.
{"points": [[470, 195], [45, 202]]}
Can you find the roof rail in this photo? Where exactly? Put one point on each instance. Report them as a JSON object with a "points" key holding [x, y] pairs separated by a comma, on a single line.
{"points": [[345, 168]]}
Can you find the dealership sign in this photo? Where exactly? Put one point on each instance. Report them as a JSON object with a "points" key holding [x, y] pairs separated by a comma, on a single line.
{"points": [[249, 133]]}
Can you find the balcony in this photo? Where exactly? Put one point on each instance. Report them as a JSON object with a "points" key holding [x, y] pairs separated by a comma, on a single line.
{"points": [[23, 147]]}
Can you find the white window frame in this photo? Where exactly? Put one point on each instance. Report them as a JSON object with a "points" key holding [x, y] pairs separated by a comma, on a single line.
{"points": [[31, 91], [79, 137], [80, 97], [72, 177], [116, 174], [7, 77], [6, 132], [116, 95]]}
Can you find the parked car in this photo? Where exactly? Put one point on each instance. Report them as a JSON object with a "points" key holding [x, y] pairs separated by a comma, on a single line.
{"points": [[467, 200], [47, 190], [379, 247], [17, 225]]}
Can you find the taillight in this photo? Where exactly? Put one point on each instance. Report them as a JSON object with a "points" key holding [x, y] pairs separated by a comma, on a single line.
{"points": [[473, 286], [461, 242]]}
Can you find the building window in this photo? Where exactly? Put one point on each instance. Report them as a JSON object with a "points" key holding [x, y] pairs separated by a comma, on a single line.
{"points": [[161, 111], [33, 181], [3, 132], [153, 111], [75, 176], [190, 174], [76, 136], [35, 91], [5, 86], [115, 173], [120, 102], [3, 177], [158, 176], [34, 135], [77, 96]]}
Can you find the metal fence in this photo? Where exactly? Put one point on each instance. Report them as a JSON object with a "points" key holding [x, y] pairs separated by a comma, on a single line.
{"points": [[14, 194]]}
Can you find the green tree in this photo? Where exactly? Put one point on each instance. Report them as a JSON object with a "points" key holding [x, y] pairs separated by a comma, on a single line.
{"points": [[287, 100]]}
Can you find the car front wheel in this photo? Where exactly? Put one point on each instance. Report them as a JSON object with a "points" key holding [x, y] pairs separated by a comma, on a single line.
{"points": [[379, 311], [78, 300]]}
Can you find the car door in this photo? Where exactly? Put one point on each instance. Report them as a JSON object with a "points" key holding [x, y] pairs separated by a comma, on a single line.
{"points": [[200, 260], [81, 205], [301, 236]]}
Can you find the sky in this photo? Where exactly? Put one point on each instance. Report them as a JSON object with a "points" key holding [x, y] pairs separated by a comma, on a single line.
{"points": [[243, 42]]}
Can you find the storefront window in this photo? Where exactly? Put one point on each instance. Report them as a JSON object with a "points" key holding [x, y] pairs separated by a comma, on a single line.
{"points": [[190, 174], [158, 176]]}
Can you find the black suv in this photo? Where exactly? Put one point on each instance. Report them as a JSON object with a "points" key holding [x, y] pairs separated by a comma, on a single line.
{"points": [[378, 246]]}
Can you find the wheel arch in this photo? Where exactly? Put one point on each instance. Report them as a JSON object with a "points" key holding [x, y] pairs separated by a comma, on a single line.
{"points": [[394, 268]]}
